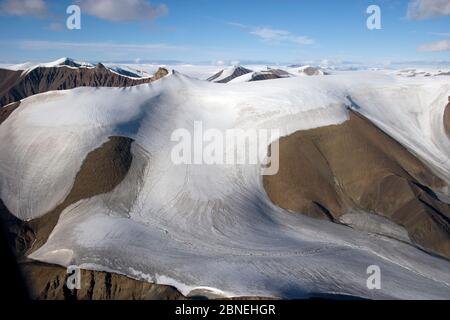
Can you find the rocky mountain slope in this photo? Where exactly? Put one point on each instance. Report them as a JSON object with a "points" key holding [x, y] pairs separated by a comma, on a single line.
{"points": [[339, 172], [47, 282], [16, 84]]}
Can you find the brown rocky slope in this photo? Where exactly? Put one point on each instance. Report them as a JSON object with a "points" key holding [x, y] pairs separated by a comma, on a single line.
{"points": [[325, 172], [17, 85], [47, 282], [7, 110]]}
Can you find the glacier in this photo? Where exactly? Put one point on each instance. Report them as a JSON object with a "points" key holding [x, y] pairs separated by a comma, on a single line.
{"points": [[212, 227]]}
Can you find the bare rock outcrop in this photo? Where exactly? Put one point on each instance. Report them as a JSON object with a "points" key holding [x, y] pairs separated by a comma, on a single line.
{"points": [[48, 282]]}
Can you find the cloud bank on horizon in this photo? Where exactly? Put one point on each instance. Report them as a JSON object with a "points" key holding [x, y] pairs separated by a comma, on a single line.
{"points": [[443, 45], [203, 31]]}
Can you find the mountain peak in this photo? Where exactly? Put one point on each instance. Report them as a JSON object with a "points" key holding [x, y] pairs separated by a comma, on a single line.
{"points": [[229, 74], [66, 61], [100, 66]]}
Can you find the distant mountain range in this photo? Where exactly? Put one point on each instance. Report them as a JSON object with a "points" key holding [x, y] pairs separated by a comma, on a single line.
{"points": [[240, 74]]}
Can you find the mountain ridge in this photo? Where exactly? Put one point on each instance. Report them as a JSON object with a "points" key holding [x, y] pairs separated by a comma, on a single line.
{"points": [[17, 85]]}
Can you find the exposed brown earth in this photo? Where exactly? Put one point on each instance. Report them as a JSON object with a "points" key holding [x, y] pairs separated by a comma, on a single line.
{"points": [[47, 282], [7, 80], [102, 170], [15, 86], [447, 118], [326, 171], [7, 110]]}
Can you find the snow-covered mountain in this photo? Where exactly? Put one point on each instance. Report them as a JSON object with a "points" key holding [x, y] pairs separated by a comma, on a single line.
{"points": [[241, 74], [214, 228], [307, 71], [68, 62], [423, 72], [128, 71], [226, 75], [262, 75]]}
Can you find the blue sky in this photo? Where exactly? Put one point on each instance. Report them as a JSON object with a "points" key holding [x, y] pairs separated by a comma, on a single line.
{"points": [[199, 31]]}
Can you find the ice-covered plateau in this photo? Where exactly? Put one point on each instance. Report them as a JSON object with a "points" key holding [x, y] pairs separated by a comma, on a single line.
{"points": [[212, 226]]}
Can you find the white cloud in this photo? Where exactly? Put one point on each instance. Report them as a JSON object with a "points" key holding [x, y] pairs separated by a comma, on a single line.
{"points": [[237, 24], [443, 45], [34, 8], [225, 63], [425, 9], [123, 10], [219, 63], [269, 34], [273, 35]]}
